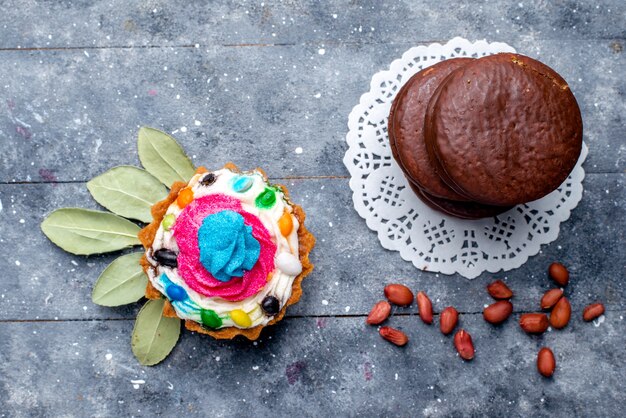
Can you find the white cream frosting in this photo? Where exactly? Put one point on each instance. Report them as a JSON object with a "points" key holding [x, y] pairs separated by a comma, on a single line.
{"points": [[287, 263]]}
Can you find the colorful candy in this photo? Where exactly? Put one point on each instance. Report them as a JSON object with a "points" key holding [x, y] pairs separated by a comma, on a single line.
{"points": [[184, 198], [166, 257], [285, 223], [168, 221], [210, 318], [266, 199], [270, 305], [208, 180], [242, 184], [175, 292], [240, 318], [288, 264], [226, 250]]}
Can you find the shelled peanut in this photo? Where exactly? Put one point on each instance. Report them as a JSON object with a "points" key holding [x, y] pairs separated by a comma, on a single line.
{"points": [[553, 301]]}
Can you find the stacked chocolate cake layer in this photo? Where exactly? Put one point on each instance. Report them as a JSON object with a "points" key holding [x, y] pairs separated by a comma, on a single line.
{"points": [[477, 136]]}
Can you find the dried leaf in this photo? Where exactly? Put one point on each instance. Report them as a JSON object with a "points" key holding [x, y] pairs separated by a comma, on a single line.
{"points": [[84, 231], [128, 191], [154, 336], [121, 283], [161, 155]]}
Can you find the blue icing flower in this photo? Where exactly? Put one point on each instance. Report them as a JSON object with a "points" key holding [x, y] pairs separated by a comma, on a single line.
{"points": [[227, 247]]}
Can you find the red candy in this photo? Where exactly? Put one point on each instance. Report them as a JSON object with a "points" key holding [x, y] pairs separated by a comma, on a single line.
{"points": [[193, 272]]}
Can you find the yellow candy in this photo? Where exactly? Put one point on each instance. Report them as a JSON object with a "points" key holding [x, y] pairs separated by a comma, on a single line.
{"points": [[240, 318], [184, 198], [285, 223]]}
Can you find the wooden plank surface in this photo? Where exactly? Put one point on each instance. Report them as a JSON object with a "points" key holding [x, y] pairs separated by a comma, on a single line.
{"points": [[250, 82], [255, 106], [313, 367], [351, 267], [116, 23]]}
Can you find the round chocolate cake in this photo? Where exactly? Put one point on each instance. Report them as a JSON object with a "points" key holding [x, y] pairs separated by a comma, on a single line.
{"points": [[475, 137], [504, 130]]}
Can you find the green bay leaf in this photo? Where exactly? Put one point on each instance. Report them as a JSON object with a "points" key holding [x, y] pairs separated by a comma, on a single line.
{"points": [[161, 155], [83, 231], [128, 191], [121, 283], [154, 336]]}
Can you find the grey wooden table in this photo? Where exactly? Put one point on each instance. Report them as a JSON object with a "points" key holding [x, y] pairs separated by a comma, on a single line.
{"points": [[250, 82]]}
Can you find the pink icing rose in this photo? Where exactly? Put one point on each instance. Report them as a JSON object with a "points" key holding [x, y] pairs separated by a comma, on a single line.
{"points": [[194, 274]]}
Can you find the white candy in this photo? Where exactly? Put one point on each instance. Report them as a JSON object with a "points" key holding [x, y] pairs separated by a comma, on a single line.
{"points": [[288, 264]]}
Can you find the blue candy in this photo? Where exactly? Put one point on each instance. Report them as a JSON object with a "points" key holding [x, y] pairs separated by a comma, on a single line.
{"points": [[242, 184], [175, 292], [179, 297]]}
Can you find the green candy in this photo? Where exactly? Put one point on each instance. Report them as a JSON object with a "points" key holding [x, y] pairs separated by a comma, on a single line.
{"points": [[168, 221], [210, 318], [266, 199]]}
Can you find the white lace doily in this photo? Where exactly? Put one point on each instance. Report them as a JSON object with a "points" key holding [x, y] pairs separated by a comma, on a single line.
{"points": [[429, 239]]}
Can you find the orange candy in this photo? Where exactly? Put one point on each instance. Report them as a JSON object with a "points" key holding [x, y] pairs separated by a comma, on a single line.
{"points": [[184, 198], [285, 223]]}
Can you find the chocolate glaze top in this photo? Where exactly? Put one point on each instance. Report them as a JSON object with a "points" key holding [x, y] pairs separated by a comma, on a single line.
{"points": [[505, 129]]}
